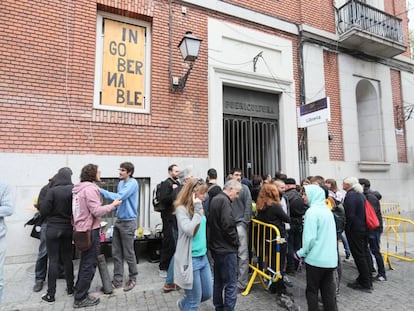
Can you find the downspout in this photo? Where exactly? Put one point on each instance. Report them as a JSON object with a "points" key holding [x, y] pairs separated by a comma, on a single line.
{"points": [[303, 139]]}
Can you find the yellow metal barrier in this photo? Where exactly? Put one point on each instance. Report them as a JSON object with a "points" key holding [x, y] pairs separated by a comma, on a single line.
{"points": [[393, 210], [399, 241], [265, 254]]}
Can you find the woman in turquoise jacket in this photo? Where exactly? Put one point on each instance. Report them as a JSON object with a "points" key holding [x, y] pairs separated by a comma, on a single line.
{"points": [[319, 249]]}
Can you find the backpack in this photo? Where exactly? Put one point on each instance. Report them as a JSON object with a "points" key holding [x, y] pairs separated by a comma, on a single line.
{"points": [[339, 216], [156, 198], [370, 216]]}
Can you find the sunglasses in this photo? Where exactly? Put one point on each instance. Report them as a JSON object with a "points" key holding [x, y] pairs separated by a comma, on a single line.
{"points": [[199, 182]]}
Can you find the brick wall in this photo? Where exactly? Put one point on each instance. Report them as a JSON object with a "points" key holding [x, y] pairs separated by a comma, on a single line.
{"points": [[399, 122], [331, 71], [316, 13], [47, 106], [398, 8]]}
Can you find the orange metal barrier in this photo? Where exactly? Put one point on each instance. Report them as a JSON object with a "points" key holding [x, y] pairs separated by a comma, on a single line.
{"points": [[398, 237], [265, 254]]}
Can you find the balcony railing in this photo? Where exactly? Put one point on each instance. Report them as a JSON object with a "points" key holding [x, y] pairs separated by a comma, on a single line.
{"points": [[357, 15]]}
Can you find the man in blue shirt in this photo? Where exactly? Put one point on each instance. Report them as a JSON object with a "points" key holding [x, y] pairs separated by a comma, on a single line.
{"points": [[125, 226]]}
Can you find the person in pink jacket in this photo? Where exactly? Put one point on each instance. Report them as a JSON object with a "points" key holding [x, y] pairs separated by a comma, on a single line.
{"points": [[87, 210]]}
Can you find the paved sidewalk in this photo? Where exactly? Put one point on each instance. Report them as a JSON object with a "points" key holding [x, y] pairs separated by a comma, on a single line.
{"points": [[395, 294]]}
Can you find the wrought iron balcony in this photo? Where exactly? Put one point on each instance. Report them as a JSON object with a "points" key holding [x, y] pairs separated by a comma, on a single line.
{"points": [[366, 29]]}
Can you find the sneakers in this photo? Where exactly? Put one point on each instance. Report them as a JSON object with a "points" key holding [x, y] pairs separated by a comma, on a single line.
{"points": [[129, 285], [380, 278], [87, 302], [163, 274], [170, 287], [47, 298], [179, 305], [287, 282], [70, 291], [116, 285], [38, 286], [359, 287]]}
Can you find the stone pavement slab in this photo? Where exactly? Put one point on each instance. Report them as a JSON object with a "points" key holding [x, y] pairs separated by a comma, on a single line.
{"points": [[395, 294]]}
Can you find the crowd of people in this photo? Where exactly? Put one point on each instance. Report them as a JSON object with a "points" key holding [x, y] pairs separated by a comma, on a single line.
{"points": [[206, 234]]}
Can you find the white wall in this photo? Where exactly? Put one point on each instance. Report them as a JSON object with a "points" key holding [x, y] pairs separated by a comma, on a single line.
{"points": [[397, 181], [230, 55], [27, 173]]}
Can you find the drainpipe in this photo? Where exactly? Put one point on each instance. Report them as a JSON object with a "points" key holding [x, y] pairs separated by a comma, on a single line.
{"points": [[303, 140]]}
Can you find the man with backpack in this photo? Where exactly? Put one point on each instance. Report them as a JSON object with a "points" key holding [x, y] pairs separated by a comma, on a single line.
{"points": [[167, 196], [374, 236]]}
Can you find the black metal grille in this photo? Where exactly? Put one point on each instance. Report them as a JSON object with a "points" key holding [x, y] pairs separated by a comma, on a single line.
{"points": [[251, 144]]}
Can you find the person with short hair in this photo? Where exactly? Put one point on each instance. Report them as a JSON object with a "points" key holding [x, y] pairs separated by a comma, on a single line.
{"points": [[224, 244], [374, 236], [242, 212], [167, 198], [87, 209], [125, 226], [357, 233]]}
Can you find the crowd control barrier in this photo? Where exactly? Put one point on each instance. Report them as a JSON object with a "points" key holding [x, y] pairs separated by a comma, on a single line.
{"points": [[264, 254], [397, 240]]}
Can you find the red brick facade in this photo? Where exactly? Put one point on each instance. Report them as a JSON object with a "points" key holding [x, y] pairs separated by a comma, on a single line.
{"points": [[48, 69], [336, 149], [399, 121]]}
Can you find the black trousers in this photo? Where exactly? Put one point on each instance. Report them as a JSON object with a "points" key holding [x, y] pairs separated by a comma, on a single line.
{"points": [[168, 243], [59, 243], [320, 279], [358, 243]]}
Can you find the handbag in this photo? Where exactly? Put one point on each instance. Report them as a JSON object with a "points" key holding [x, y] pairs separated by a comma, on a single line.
{"points": [[82, 240], [371, 218], [36, 221]]}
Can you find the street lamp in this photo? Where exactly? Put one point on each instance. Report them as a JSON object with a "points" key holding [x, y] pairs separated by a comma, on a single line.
{"points": [[189, 47]]}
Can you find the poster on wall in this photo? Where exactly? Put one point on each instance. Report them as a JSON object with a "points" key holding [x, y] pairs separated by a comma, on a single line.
{"points": [[123, 67]]}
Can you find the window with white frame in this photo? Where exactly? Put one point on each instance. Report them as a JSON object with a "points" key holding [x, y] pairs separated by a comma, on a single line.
{"points": [[122, 65]]}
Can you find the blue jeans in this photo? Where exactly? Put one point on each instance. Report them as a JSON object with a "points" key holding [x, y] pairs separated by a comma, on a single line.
{"points": [[123, 249], [374, 240], [225, 279], [87, 267], [202, 288], [346, 244], [41, 262]]}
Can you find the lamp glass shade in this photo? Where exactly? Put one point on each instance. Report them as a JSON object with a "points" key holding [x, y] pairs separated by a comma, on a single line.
{"points": [[189, 47]]}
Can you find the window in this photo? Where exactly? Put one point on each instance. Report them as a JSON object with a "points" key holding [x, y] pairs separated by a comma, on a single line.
{"points": [[111, 185], [122, 64]]}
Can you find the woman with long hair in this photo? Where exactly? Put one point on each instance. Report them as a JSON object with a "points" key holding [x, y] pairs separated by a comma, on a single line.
{"points": [[191, 267], [269, 210]]}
